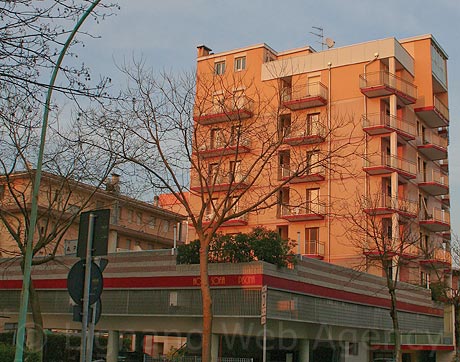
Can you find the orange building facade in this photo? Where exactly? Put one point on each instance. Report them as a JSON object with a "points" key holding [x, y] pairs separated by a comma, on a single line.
{"points": [[134, 225], [326, 142]]}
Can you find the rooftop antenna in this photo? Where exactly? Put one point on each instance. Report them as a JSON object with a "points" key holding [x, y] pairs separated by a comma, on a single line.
{"points": [[320, 34]]}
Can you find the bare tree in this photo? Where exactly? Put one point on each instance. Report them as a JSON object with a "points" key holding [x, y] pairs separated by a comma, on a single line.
{"points": [[385, 249], [224, 160], [32, 34], [441, 260], [73, 174]]}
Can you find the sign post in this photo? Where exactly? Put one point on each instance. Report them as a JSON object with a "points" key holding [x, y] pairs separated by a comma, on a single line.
{"points": [[263, 319], [85, 282]]}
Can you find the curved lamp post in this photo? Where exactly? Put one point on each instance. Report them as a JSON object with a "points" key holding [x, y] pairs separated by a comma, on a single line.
{"points": [[34, 208]]}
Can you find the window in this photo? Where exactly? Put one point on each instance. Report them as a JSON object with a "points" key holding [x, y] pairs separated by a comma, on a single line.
{"points": [[138, 218], [213, 170], [313, 164], [235, 169], [165, 226], [130, 215], [311, 240], [217, 139], [240, 64], [235, 135], [284, 125], [219, 68], [312, 125], [152, 221], [218, 103], [312, 201]]}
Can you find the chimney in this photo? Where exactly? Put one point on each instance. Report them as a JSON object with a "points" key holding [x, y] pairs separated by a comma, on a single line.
{"points": [[113, 184], [156, 200], [203, 50]]}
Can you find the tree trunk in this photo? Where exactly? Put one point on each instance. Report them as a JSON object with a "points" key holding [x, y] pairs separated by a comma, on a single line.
{"points": [[207, 306], [36, 344], [457, 331], [396, 331]]}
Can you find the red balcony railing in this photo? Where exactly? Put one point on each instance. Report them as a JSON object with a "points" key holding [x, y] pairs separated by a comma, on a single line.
{"points": [[433, 146], [314, 133], [383, 83], [228, 110], [381, 123], [378, 164], [314, 210], [386, 204], [435, 115], [435, 219], [304, 96], [434, 182]]}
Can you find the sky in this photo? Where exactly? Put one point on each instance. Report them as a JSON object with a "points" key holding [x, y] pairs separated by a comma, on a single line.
{"points": [[166, 33]]}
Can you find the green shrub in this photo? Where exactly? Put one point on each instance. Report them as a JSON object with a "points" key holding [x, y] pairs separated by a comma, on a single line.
{"points": [[259, 244]]}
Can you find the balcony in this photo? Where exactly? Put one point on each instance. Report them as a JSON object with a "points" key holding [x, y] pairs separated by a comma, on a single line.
{"points": [[438, 256], [314, 249], [303, 97], [436, 115], [435, 183], [315, 133], [221, 149], [221, 183], [237, 221], [389, 205], [379, 164], [381, 123], [314, 210], [432, 146], [313, 174], [229, 110], [383, 83], [436, 221], [444, 164]]}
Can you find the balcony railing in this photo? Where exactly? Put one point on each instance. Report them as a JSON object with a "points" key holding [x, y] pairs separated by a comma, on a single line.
{"points": [[219, 149], [435, 219], [436, 115], [383, 83], [222, 182], [314, 249], [228, 110], [386, 204], [380, 123], [304, 96], [314, 173], [434, 182], [377, 164], [437, 254], [314, 210], [314, 133], [433, 146]]}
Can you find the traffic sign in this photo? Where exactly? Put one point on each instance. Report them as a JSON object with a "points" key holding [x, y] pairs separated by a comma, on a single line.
{"points": [[78, 312], [76, 281], [100, 234]]}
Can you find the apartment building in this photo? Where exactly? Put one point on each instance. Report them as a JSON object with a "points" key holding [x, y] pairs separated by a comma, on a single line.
{"points": [[134, 225], [316, 144]]}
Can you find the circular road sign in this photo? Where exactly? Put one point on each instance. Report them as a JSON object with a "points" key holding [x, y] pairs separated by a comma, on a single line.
{"points": [[76, 280]]}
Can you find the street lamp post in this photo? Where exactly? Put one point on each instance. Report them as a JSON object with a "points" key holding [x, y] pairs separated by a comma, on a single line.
{"points": [[36, 188]]}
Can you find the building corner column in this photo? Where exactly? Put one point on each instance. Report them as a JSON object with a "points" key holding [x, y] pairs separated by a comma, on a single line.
{"points": [[113, 346], [304, 350]]}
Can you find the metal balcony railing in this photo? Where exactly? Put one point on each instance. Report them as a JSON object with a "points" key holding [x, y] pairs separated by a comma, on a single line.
{"points": [[441, 107], [313, 207], [373, 123], [391, 162], [434, 176], [430, 137], [435, 214], [314, 247], [390, 83]]}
